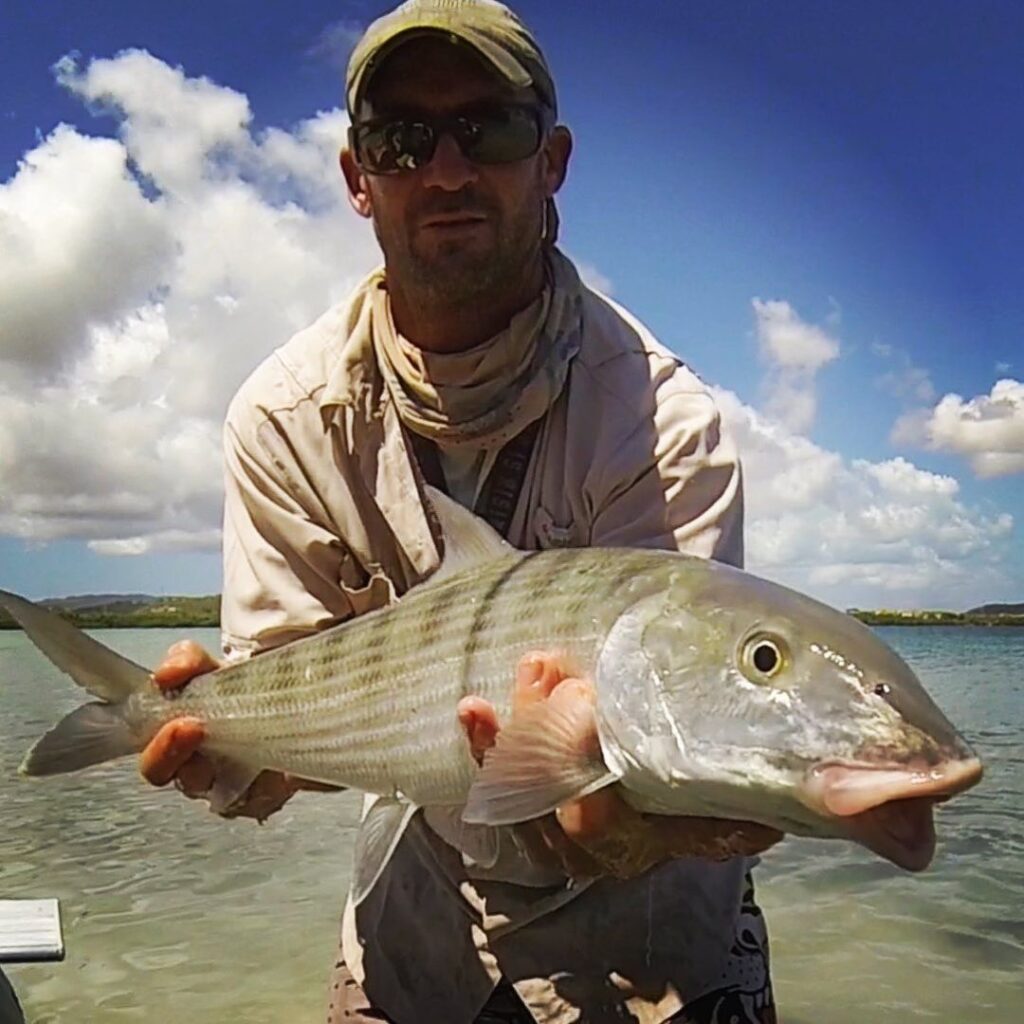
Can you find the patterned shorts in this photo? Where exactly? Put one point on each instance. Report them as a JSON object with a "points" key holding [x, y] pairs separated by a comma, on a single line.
{"points": [[747, 999]]}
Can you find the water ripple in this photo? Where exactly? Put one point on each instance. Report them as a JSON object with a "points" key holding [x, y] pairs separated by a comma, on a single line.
{"points": [[166, 907]]}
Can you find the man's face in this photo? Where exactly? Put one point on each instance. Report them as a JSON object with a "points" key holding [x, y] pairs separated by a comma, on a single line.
{"points": [[453, 228]]}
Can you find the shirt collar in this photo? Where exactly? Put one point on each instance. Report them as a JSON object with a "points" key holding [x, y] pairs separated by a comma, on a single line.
{"points": [[355, 380]]}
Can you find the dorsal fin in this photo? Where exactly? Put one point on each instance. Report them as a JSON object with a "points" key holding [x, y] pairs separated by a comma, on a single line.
{"points": [[468, 539]]}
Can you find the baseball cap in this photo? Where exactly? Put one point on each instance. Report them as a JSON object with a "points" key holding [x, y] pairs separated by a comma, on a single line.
{"points": [[493, 30]]}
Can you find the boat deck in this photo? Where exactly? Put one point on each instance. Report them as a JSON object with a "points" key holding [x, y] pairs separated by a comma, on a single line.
{"points": [[30, 931]]}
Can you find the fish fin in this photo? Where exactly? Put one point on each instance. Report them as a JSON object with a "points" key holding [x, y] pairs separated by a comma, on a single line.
{"points": [[468, 539], [231, 780], [91, 734], [96, 668], [536, 764], [481, 843], [383, 826]]}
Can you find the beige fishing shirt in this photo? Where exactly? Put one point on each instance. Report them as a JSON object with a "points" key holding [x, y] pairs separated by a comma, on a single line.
{"points": [[324, 520]]}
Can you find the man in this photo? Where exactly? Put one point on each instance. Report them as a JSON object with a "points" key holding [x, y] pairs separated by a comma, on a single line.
{"points": [[10, 1010], [478, 360]]}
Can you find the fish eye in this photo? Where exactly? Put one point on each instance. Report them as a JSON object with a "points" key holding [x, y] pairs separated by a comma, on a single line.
{"points": [[883, 690], [763, 657]]}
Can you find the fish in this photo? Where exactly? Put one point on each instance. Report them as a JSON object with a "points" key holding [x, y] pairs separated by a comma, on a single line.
{"points": [[717, 694]]}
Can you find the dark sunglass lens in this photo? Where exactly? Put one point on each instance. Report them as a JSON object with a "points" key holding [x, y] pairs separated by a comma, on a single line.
{"points": [[498, 136], [501, 136], [395, 146]]}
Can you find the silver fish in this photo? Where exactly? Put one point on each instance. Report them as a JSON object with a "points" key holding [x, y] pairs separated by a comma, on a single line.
{"points": [[717, 694]]}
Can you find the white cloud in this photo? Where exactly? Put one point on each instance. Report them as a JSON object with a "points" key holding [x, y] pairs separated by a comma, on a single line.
{"points": [[173, 126], [336, 42], [794, 351], [988, 430], [593, 278], [163, 540], [788, 341], [141, 279], [860, 532], [80, 245], [905, 380]]}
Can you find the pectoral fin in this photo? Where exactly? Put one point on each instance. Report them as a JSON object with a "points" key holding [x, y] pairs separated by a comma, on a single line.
{"points": [[478, 842], [382, 828], [548, 754], [231, 781]]}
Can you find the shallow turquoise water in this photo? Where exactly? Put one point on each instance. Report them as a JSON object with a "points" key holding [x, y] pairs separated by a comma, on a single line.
{"points": [[173, 914]]}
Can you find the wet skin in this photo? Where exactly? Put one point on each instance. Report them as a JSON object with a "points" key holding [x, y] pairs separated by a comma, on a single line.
{"points": [[599, 834]]}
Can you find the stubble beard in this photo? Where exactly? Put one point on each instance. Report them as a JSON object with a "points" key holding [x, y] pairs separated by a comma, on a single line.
{"points": [[454, 274]]}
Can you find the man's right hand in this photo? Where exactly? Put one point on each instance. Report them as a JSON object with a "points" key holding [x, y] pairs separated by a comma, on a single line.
{"points": [[173, 753]]}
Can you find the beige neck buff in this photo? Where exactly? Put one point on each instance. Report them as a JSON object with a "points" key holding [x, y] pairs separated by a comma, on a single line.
{"points": [[488, 394]]}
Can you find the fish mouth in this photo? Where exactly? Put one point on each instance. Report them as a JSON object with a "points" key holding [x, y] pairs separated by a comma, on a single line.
{"points": [[888, 808]]}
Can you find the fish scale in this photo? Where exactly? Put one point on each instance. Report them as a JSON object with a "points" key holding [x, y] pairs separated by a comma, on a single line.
{"points": [[315, 709]]}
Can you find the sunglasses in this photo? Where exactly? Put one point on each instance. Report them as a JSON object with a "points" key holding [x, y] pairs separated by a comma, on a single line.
{"points": [[500, 134]]}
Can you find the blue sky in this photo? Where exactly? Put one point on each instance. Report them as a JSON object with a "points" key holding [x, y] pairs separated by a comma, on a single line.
{"points": [[818, 205]]}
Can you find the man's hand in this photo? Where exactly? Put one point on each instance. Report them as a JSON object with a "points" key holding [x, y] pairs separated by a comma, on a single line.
{"points": [[172, 755], [601, 834]]}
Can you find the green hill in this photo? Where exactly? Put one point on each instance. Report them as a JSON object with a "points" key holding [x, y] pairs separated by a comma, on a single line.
{"points": [[997, 609], [133, 611]]}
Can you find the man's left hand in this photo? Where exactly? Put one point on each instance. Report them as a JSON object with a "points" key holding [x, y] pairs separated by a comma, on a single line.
{"points": [[601, 834]]}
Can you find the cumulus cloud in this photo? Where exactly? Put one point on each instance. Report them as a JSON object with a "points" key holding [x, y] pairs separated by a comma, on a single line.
{"points": [[794, 352], [80, 245], [858, 532], [141, 279], [988, 430], [173, 126]]}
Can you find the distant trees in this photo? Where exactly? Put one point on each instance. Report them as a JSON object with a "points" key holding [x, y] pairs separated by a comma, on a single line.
{"points": [[173, 612], [887, 617]]}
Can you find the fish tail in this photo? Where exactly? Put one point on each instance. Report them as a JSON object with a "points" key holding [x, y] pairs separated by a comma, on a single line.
{"points": [[97, 731], [91, 734]]}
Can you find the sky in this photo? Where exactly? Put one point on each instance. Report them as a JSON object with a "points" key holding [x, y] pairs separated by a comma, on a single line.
{"points": [[818, 206]]}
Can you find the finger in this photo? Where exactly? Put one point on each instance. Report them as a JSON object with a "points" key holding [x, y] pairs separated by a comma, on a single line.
{"points": [[183, 661], [269, 792], [596, 815], [169, 749], [712, 838], [195, 776], [479, 721], [573, 859], [567, 697], [537, 675], [545, 845], [612, 833]]}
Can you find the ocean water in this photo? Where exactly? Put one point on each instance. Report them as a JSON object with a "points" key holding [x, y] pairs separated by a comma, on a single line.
{"points": [[173, 914]]}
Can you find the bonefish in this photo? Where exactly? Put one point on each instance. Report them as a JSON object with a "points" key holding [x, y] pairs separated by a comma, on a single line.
{"points": [[717, 694]]}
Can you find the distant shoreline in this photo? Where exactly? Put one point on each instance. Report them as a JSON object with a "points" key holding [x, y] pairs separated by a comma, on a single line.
{"points": [[204, 613], [887, 618], [136, 612]]}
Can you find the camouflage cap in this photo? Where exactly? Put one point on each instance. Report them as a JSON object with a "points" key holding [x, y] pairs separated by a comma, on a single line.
{"points": [[494, 31]]}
